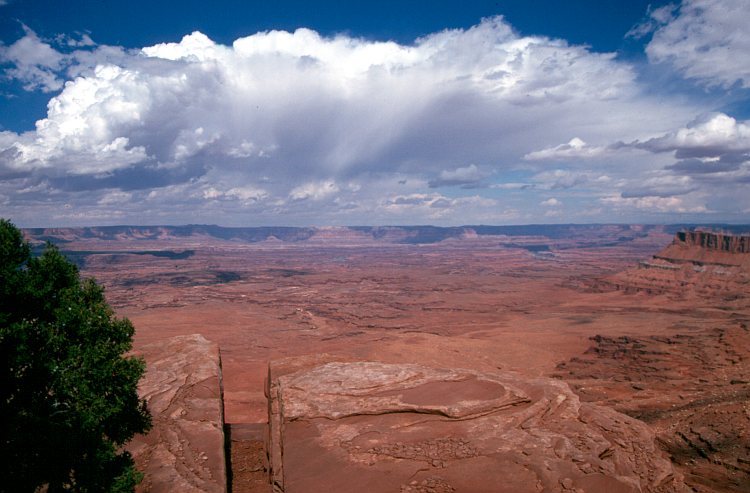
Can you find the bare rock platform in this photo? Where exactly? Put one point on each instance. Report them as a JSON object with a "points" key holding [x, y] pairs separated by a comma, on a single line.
{"points": [[347, 426], [184, 451]]}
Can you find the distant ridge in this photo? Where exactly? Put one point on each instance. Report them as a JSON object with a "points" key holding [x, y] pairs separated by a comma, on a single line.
{"points": [[252, 234], [387, 234]]}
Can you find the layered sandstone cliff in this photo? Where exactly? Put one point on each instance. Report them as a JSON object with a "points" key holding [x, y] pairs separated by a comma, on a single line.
{"points": [[702, 248], [724, 242], [696, 263]]}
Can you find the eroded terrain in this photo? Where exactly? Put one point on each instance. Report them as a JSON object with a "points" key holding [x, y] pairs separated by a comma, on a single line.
{"points": [[663, 341]]}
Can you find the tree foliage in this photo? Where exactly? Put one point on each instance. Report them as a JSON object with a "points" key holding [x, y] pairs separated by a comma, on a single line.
{"points": [[68, 392]]}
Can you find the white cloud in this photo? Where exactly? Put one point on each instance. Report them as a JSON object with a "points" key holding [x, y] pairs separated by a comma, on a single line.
{"points": [[708, 41], [246, 194], [511, 186], [85, 128], [574, 149], [712, 135], [560, 179], [83, 41], [467, 176], [713, 153], [34, 62], [660, 184], [362, 98], [653, 204], [551, 202], [115, 197], [655, 18], [45, 65], [435, 206], [314, 190]]}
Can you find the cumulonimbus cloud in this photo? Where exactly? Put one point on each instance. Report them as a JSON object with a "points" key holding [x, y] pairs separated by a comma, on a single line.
{"points": [[295, 124]]}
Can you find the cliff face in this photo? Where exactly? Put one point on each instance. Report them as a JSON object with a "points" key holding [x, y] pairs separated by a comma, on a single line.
{"points": [[705, 248], [723, 242], [696, 263]]}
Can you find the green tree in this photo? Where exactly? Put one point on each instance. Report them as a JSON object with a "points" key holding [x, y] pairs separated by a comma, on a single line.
{"points": [[68, 392]]}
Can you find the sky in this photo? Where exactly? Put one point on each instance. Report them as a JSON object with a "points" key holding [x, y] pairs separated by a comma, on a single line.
{"points": [[242, 113]]}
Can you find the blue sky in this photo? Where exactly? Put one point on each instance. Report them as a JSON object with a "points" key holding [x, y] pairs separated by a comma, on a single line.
{"points": [[332, 113]]}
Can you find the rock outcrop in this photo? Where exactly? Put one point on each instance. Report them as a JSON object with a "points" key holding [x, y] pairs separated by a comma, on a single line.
{"points": [[185, 449], [722, 242], [696, 263], [707, 248], [376, 427]]}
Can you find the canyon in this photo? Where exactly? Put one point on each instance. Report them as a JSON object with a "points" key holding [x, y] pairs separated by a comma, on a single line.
{"points": [[642, 326]]}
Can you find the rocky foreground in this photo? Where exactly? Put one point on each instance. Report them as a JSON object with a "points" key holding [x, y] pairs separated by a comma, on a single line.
{"points": [[376, 427], [185, 449], [342, 426]]}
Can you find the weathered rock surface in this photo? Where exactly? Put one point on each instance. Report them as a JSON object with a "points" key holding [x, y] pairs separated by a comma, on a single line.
{"points": [[185, 449], [376, 427]]}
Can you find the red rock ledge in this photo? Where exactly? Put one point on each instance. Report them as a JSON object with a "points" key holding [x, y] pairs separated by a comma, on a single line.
{"points": [[185, 449], [376, 427]]}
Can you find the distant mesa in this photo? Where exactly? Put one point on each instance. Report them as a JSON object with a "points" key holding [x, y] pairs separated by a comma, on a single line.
{"points": [[696, 263], [706, 247], [731, 243]]}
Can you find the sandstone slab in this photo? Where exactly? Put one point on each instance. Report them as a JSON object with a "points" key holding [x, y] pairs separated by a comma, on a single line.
{"points": [[377, 427], [184, 451]]}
